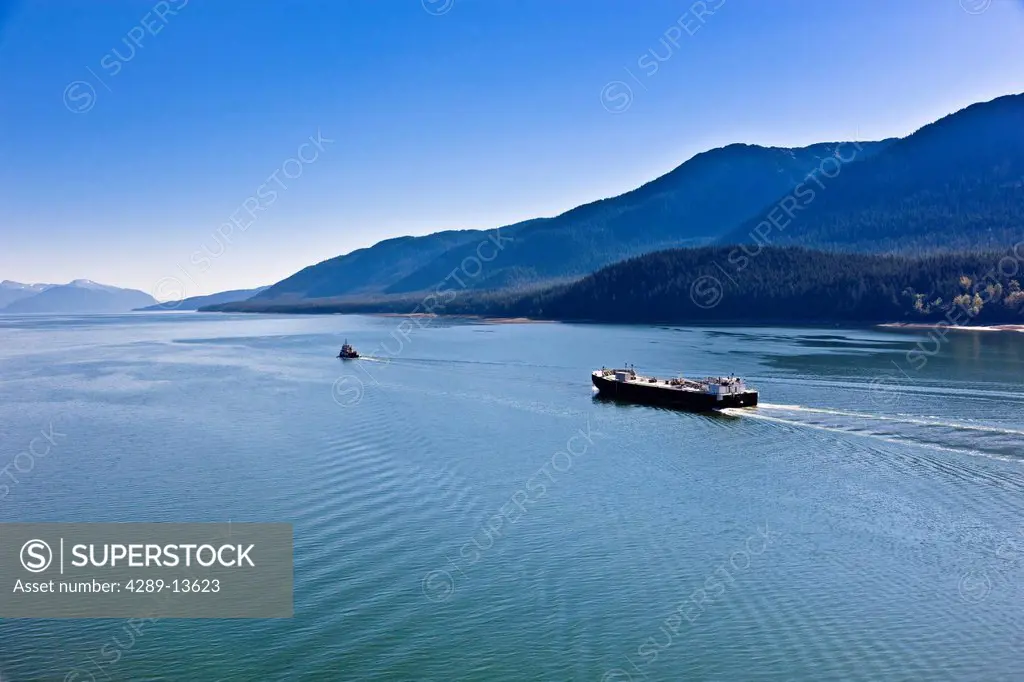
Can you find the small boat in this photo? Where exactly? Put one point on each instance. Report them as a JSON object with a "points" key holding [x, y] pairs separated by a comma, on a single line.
{"points": [[699, 395], [348, 352]]}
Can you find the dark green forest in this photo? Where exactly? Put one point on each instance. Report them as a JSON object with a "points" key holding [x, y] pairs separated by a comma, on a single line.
{"points": [[793, 285], [740, 283]]}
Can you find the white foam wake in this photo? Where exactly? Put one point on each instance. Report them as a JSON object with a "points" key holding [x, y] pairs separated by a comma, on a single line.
{"points": [[905, 419]]}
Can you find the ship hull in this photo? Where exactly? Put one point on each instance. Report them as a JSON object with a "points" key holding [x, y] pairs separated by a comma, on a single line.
{"points": [[665, 397]]}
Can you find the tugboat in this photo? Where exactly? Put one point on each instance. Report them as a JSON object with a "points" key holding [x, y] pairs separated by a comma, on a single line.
{"points": [[698, 395], [348, 352]]}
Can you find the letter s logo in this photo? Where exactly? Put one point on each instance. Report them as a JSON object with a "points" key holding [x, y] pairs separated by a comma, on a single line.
{"points": [[79, 97], [36, 556]]}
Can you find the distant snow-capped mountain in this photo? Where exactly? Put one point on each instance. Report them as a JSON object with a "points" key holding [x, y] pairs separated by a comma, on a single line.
{"points": [[78, 296], [11, 291]]}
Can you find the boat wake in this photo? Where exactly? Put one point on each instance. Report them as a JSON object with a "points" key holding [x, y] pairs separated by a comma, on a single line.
{"points": [[906, 419], [975, 438]]}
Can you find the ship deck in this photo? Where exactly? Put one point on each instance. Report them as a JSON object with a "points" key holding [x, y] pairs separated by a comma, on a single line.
{"points": [[677, 392], [674, 384], [652, 382]]}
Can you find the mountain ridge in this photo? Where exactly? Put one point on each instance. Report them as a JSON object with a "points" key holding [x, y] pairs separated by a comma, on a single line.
{"points": [[783, 285], [79, 296], [11, 291], [714, 189], [196, 302], [954, 184]]}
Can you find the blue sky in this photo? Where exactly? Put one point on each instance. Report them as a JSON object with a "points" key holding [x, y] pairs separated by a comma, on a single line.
{"points": [[134, 130]]}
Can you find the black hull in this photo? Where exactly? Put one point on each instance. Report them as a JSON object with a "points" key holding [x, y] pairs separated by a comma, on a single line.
{"points": [[666, 397]]}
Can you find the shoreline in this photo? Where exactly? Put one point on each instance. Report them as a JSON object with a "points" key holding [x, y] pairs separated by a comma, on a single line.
{"points": [[476, 318], [966, 328], [483, 319]]}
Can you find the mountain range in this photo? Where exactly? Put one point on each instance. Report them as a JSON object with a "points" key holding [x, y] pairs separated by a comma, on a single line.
{"points": [[78, 296], [693, 204], [86, 296], [777, 284], [13, 291], [197, 302], [954, 185]]}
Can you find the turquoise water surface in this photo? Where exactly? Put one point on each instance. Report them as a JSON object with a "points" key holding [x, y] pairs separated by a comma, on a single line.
{"points": [[465, 509]]}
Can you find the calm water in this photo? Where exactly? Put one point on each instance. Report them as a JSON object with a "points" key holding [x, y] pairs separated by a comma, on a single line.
{"points": [[862, 524]]}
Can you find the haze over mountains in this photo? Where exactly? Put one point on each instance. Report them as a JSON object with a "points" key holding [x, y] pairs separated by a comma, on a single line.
{"points": [[83, 296], [693, 204], [370, 270], [954, 185], [197, 302], [13, 291], [79, 296]]}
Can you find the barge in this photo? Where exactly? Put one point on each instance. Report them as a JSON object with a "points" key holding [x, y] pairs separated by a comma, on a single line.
{"points": [[698, 395]]}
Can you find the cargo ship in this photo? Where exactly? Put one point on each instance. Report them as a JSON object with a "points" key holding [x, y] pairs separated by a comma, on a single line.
{"points": [[699, 395]]}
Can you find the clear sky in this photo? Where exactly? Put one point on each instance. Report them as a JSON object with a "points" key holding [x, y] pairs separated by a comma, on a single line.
{"points": [[131, 131]]}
